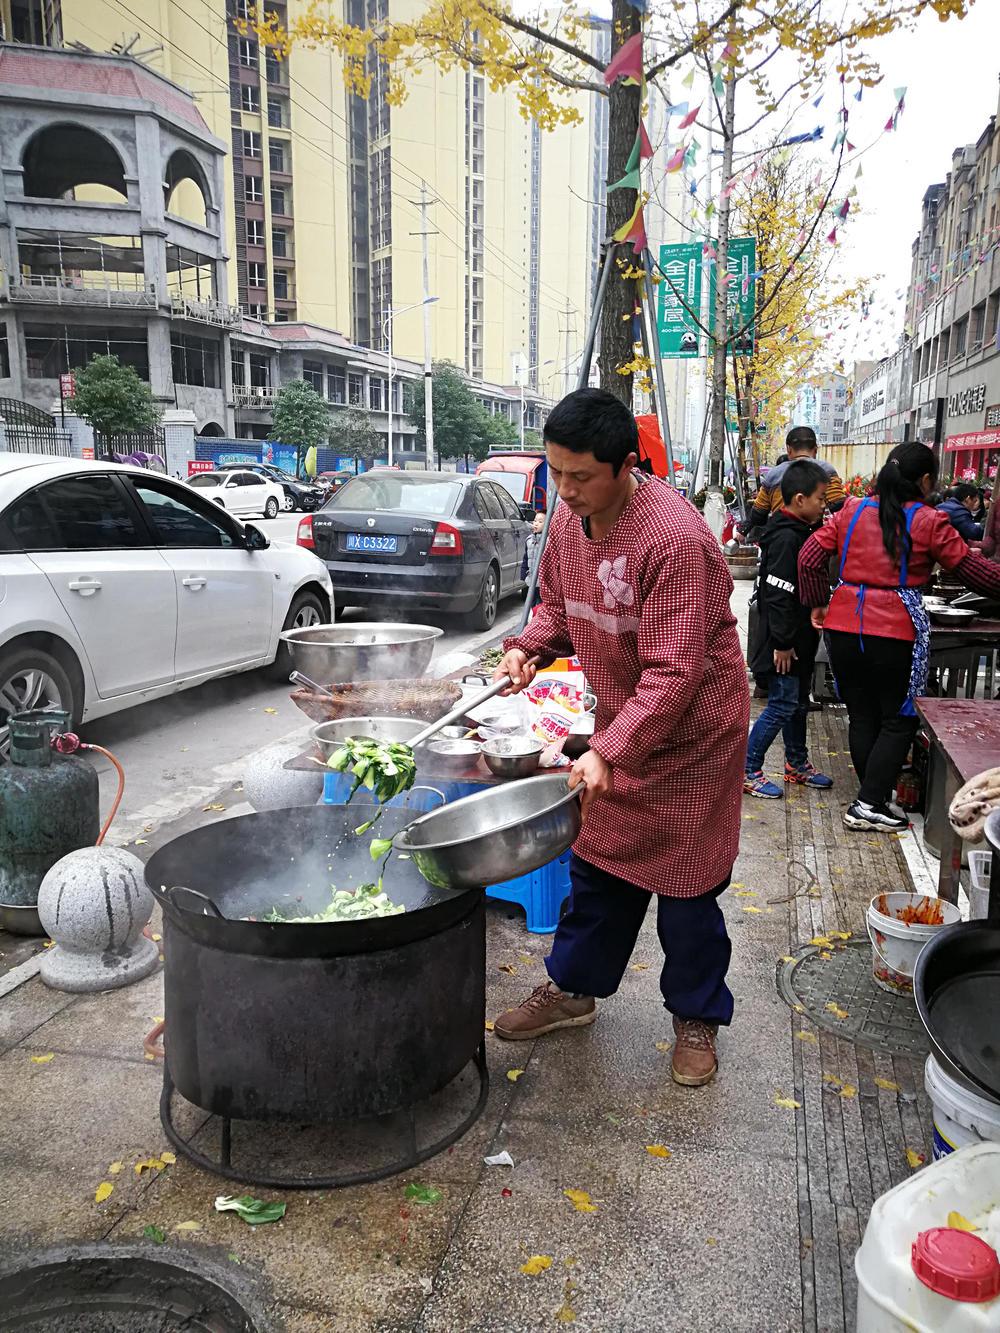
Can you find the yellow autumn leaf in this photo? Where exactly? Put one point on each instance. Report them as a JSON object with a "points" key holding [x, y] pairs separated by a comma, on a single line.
{"points": [[745, 893], [489, 1025], [664, 1046], [959, 1222], [150, 1164], [832, 1007], [736, 884], [789, 1103], [216, 805], [104, 1190], [848, 1090], [508, 968], [156, 938], [914, 1159], [188, 1226], [825, 954], [806, 1036], [538, 1263], [887, 1084], [839, 934], [565, 1314], [114, 1168], [140, 842], [786, 958], [514, 1074], [657, 1150], [640, 967], [749, 907], [168, 1157], [526, 958], [270, 711], [580, 1200], [821, 941], [42, 1059]]}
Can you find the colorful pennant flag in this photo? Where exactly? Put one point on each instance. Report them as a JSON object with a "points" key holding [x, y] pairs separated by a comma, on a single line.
{"points": [[630, 181], [688, 82], [677, 160], [627, 62], [645, 147], [678, 109], [690, 118]]}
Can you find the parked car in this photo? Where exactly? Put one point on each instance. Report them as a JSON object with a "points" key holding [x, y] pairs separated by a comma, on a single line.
{"points": [[425, 539], [240, 492], [332, 481], [297, 492], [120, 586]]}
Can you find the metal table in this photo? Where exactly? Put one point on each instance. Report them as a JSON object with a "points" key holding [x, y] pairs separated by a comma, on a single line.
{"points": [[965, 740], [955, 653]]}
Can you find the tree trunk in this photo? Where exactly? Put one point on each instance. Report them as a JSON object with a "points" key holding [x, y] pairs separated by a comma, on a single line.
{"points": [[624, 103], [717, 450]]}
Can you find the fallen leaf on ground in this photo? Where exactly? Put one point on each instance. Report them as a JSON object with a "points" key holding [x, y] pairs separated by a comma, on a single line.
{"points": [[538, 1263], [960, 1223], [140, 842], [514, 1074], [839, 934], [271, 711], [156, 938], [833, 1008], [150, 1164], [154, 1234], [915, 1159], [821, 941], [657, 1150], [565, 1314], [43, 1059], [749, 907], [216, 805], [745, 893], [799, 1008], [580, 1200], [114, 1168], [614, 1119], [251, 1210], [806, 1036], [508, 968], [422, 1194], [526, 957], [103, 1191], [848, 1090], [640, 967], [832, 1079], [825, 954], [234, 1258], [489, 1025], [711, 1240], [570, 1261], [786, 958], [887, 1084], [168, 1157], [736, 884], [188, 1226], [789, 1103], [664, 1046]]}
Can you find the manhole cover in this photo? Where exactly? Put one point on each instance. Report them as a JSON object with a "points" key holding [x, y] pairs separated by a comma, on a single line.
{"points": [[874, 1017], [121, 1289]]}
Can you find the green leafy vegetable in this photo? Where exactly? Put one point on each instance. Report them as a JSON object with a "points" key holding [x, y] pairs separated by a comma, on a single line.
{"points": [[366, 902], [423, 1194], [363, 828], [154, 1234], [379, 847], [386, 768], [254, 1211]]}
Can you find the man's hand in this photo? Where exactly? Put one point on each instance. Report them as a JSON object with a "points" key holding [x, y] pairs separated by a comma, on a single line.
{"points": [[516, 665], [596, 773], [817, 617], [783, 659]]}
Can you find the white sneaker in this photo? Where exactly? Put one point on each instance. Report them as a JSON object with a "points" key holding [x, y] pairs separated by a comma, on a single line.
{"points": [[879, 818]]}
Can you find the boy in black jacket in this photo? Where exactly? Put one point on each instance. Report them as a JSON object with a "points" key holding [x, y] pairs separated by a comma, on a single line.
{"points": [[786, 643]]}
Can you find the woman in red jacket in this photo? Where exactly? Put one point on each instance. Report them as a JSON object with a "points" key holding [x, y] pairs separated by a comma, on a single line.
{"points": [[876, 626]]}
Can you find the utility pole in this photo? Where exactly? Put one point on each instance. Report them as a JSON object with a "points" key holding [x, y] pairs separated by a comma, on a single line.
{"points": [[567, 331], [424, 203], [715, 508], [705, 304]]}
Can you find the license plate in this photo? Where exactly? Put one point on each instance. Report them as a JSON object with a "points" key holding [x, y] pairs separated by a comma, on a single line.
{"points": [[365, 541]]}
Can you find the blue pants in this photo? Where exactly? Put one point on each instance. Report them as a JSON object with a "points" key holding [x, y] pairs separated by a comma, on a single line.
{"points": [[596, 937], [787, 711]]}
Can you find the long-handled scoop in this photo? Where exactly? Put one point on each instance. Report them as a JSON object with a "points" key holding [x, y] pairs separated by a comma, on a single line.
{"points": [[464, 706]]}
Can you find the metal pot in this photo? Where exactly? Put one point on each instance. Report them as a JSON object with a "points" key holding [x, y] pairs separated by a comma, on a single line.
{"points": [[495, 835], [950, 615], [956, 986], [512, 756], [362, 650], [21, 920], [329, 736], [451, 755]]}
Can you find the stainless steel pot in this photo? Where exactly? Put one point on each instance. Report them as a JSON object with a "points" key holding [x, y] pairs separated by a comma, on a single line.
{"points": [[495, 835], [362, 650], [21, 920], [329, 736], [512, 756]]}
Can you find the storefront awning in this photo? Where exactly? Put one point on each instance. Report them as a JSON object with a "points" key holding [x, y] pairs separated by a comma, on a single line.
{"points": [[976, 439]]}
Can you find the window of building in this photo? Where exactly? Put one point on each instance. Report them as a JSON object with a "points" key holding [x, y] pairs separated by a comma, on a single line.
{"points": [[257, 275], [277, 113], [36, 22], [52, 350], [255, 311], [260, 370], [194, 360], [376, 393], [336, 385], [238, 370], [248, 53], [407, 396], [4, 354], [992, 330], [250, 98], [276, 155], [274, 69], [190, 274], [255, 231], [251, 144], [959, 334], [282, 316], [254, 189], [312, 373], [356, 387], [279, 200], [280, 281], [978, 326], [279, 243]]}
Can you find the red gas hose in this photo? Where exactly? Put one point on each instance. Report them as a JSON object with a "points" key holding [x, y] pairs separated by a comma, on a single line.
{"points": [[118, 795]]}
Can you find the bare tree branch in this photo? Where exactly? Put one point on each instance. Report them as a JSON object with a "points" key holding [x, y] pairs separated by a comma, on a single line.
{"points": [[545, 38]]}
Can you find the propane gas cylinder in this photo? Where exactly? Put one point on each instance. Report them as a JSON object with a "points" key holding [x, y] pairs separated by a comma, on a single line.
{"points": [[49, 805]]}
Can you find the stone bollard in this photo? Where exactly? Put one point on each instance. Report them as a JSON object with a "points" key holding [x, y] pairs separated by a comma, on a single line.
{"points": [[268, 785], [94, 904]]}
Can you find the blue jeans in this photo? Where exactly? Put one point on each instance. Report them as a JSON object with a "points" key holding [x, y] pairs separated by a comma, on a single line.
{"points": [[787, 711], [596, 937]]}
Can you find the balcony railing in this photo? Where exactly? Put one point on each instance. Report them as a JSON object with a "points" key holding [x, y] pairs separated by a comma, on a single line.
{"points": [[78, 289], [216, 313], [253, 396]]}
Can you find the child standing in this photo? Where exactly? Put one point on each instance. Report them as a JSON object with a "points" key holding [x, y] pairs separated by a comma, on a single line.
{"points": [[786, 644]]}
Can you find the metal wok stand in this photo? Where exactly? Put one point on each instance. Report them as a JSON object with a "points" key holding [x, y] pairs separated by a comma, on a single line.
{"points": [[412, 1156]]}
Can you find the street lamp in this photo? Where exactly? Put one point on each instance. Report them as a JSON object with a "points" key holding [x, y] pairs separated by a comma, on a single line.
{"points": [[522, 374], [387, 335]]}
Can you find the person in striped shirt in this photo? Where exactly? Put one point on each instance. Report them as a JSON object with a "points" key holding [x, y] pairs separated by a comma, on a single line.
{"points": [[800, 443]]}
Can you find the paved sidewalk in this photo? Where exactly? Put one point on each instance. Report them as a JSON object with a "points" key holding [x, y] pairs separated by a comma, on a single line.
{"points": [[749, 1225]]}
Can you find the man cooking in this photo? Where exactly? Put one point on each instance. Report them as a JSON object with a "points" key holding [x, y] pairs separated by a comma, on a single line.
{"points": [[634, 584]]}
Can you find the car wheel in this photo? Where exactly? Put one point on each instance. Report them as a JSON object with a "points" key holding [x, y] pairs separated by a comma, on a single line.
{"points": [[307, 609], [486, 612], [32, 678], [271, 508], [288, 504]]}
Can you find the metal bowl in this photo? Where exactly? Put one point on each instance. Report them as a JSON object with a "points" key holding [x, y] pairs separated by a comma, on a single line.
{"points": [[503, 722], [451, 755], [950, 615], [495, 835], [23, 920], [512, 756], [330, 735], [362, 650]]}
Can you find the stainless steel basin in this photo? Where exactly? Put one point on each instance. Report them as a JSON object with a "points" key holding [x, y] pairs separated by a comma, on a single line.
{"points": [[330, 735], [362, 650]]}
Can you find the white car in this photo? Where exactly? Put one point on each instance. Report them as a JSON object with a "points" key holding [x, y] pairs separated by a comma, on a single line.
{"points": [[119, 585], [242, 493]]}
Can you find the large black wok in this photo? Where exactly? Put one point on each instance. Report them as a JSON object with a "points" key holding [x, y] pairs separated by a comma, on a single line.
{"points": [[209, 880]]}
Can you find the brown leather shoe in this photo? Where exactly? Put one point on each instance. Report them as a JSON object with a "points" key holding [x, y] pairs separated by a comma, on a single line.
{"points": [[694, 1061], [545, 1010]]}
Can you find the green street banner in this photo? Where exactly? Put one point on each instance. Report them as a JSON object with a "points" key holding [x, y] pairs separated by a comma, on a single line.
{"points": [[682, 268], [741, 262]]}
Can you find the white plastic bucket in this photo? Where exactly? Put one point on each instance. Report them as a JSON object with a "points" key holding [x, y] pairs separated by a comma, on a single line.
{"points": [[896, 943], [961, 1116]]}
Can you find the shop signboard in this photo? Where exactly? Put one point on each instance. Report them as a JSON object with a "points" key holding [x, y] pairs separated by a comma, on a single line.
{"points": [[975, 439], [683, 269]]}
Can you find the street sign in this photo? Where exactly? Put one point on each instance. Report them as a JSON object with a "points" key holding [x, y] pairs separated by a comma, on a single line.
{"points": [[680, 295], [67, 386], [680, 300]]}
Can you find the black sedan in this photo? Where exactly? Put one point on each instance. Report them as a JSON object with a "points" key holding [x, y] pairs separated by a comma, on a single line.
{"points": [[423, 539], [300, 493]]}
